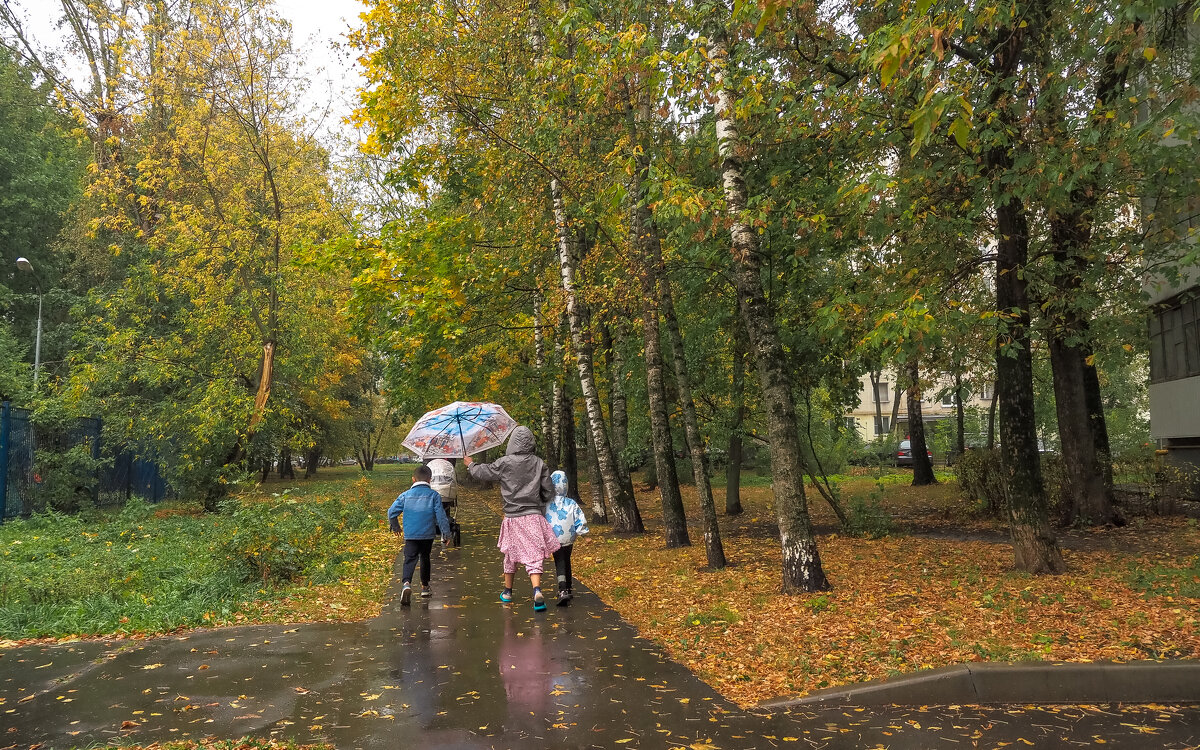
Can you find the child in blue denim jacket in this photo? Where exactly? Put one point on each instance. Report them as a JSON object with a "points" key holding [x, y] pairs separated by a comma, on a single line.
{"points": [[423, 514], [567, 521]]}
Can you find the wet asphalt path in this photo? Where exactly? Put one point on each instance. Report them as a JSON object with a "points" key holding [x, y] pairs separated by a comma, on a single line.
{"points": [[462, 670]]}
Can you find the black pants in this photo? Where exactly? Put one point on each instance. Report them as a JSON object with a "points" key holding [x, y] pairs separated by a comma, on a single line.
{"points": [[414, 548], [562, 566]]}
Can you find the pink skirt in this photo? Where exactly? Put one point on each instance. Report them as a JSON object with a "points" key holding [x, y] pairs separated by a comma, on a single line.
{"points": [[526, 540]]}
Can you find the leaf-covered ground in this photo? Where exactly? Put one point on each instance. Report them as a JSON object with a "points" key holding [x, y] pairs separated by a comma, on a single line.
{"points": [[247, 743], [938, 591]]}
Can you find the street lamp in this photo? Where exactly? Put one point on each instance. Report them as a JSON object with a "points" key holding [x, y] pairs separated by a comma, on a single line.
{"points": [[24, 265]]}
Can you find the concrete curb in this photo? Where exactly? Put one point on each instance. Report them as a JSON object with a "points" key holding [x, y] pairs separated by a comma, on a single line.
{"points": [[1022, 682]]}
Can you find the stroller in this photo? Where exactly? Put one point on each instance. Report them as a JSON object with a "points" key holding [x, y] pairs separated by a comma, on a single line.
{"points": [[445, 482]]}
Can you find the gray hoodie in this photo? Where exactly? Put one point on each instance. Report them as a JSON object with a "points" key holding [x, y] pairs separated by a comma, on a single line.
{"points": [[524, 479]]}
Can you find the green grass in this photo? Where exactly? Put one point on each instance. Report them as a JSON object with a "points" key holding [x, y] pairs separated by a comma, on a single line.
{"points": [[1162, 580], [155, 569]]}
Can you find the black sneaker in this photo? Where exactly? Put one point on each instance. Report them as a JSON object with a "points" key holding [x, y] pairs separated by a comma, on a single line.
{"points": [[564, 597], [406, 595], [426, 592]]}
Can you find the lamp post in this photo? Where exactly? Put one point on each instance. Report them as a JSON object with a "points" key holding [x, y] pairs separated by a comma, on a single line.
{"points": [[24, 265]]}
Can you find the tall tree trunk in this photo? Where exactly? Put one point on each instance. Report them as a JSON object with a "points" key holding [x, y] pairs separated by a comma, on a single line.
{"points": [[617, 402], [599, 510], [960, 417], [875, 376], [894, 426], [1083, 430], [311, 459], [1035, 549], [991, 439], [802, 570], [674, 519], [286, 470], [733, 469], [539, 354], [1086, 496], [625, 510], [643, 238], [554, 448], [570, 457], [922, 466], [1091, 382], [1086, 491], [713, 549]]}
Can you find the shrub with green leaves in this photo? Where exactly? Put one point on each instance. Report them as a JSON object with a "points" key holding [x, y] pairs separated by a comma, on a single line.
{"points": [[280, 540], [981, 478], [143, 570]]}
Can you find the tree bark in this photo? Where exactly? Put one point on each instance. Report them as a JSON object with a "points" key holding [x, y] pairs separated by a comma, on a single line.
{"points": [[554, 447], [1086, 491], [960, 417], [991, 439], [627, 517], [674, 518], [617, 403], [875, 376], [570, 457], [1086, 496], [311, 459], [895, 394], [733, 469], [1035, 549], [539, 355], [599, 510], [713, 549], [922, 466], [802, 569], [286, 470]]}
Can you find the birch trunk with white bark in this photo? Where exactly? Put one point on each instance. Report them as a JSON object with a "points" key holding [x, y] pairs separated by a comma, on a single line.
{"points": [[802, 569]]}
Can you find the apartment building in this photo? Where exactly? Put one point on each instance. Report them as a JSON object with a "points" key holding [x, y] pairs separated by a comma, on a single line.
{"points": [[937, 405]]}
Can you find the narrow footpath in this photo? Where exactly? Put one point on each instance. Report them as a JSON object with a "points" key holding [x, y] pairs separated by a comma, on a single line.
{"points": [[462, 670]]}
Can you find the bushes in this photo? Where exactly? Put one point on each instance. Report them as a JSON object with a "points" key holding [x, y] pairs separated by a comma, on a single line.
{"points": [[281, 540], [138, 572], [981, 478]]}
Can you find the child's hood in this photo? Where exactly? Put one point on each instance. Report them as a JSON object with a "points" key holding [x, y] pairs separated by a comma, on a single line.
{"points": [[560, 483], [521, 441]]}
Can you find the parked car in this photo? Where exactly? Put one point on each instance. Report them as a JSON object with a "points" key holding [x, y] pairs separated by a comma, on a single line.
{"points": [[904, 454]]}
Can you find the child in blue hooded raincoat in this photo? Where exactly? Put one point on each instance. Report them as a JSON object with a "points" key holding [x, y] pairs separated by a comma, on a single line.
{"points": [[567, 521]]}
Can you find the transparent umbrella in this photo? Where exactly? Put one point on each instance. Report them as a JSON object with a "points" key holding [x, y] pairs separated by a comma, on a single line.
{"points": [[460, 429]]}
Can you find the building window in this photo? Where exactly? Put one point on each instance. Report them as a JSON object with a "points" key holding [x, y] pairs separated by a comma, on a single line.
{"points": [[949, 399], [881, 392], [851, 425], [987, 392], [883, 425], [1175, 340]]}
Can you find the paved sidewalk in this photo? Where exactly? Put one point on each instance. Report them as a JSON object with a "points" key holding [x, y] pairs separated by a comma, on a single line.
{"points": [[463, 671]]}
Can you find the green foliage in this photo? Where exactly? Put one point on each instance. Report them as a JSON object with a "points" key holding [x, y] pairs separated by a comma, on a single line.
{"points": [[1166, 580], [67, 470], [866, 516], [981, 478], [41, 166], [280, 540], [151, 569]]}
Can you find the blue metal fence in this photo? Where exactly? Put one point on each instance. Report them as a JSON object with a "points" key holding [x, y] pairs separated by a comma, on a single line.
{"points": [[128, 473]]}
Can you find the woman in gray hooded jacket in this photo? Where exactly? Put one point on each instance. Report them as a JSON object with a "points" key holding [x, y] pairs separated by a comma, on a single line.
{"points": [[525, 536]]}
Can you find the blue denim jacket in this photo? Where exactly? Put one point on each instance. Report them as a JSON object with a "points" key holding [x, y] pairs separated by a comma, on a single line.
{"points": [[420, 505]]}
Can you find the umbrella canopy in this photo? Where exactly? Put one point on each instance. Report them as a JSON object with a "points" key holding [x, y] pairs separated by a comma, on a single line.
{"points": [[460, 429]]}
